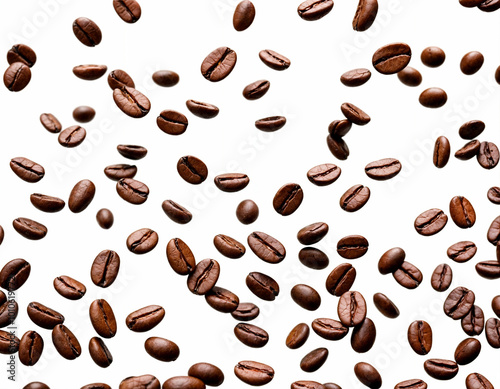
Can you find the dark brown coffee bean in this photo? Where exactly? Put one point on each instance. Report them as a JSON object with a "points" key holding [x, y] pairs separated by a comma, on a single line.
{"points": [[441, 277], [489, 5], [473, 322], [180, 382], [218, 64], [363, 336], [162, 349], [391, 58], [246, 312], [222, 300], [229, 247], [307, 385], [433, 56], [462, 251], [311, 10], [411, 384], [87, 32], [180, 257], [172, 122], [43, 316], [306, 297], [69, 287], [494, 231], [476, 380], [497, 72], [355, 198], [262, 286], [253, 373], [165, 78], [244, 15], [83, 114], [470, 3], [9, 343], [368, 375], [65, 342], [441, 369], [72, 136], [204, 277], [41, 385], [383, 169], [488, 155], [26, 169], [210, 374], [495, 305], [459, 303], [50, 123], [274, 60], [8, 310], [102, 318], [356, 77], [29, 229], [14, 274], [145, 319], [355, 114], [119, 78], [247, 212], [340, 280], [331, 385], [488, 269], [146, 381], [90, 72], [391, 260], [329, 329], [231, 182], [493, 332], [99, 352], [47, 203], [430, 222], [266, 247], [365, 15], [81, 196], [433, 98], [467, 351], [462, 212], [131, 102], [132, 191], [30, 348], [352, 246], [385, 305], [420, 337], [132, 151], [337, 147], [494, 194], [288, 199], [270, 124], [339, 128], [2, 234], [256, 90], [313, 360], [471, 62], [351, 308], [408, 276], [142, 241], [192, 170], [313, 258], [312, 233], [471, 129], [297, 336], [410, 76], [105, 218], [202, 110], [250, 335], [105, 268], [176, 212], [470, 150], [21, 53], [128, 10], [17, 77]]}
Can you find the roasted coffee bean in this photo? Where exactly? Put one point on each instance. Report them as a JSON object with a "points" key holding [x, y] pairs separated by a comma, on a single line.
{"points": [[471, 129], [176, 212], [41, 385], [246, 312], [352, 246], [493, 332], [132, 151], [467, 351], [99, 352], [87, 32], [47, 203], [119, 78], [365, 15], [471, 62], [165, 78], [411, 384], [410, 76], [162, 349], [311, 10], [244, 15], [202, 110], [83, 114], [102, 318], [262, 286], [459, 303], [9, 343], [312, 233], [473, 322], [27, 170], [470, 150], [495, 305], [96, 386], [385, 305], [462, 212], [105, 268], [65, 342], [274, 60], [470, 3], [179, 382], [306, 297], [307, 385], [142, 241], [441, 277], [351, 308], [204, 277], [391, 260], [441, 369], [329, 329], [489, 5], [356, 77], [433, 56], [231, 182], [81, 196], [172, 122], [494, 194], [313, 360], [218, 64], [313, 258], [494, 231], [210, 374], [433, 98], [21, 53], [90, 72], [131, 102], [229, 247], [222, 300], [488, 269], [250, 335], [488, 155], [297, 336], [2, 234], [69, 287], [50, 123], [247, 212], [368, 375], [256, 90], [271, 123], [29, 229], [354, 114], [462, 251], [132, 191], [288, 199], [17, 77], [14, 274], [266, 247], [337, 147], [497, 72], [30, 348], [146, 381], [363, 336], [180, 257], [420, 337], [383, 169], [391, 58], [72, 136], [408, 276], [8, 310], [340, 280], [331, 385], [430, 222], [192, 170], [145, 319], [355, 198], [253, 373], [105, 218], [339, 128], [43, 316], [476, 380], [128, 10]]}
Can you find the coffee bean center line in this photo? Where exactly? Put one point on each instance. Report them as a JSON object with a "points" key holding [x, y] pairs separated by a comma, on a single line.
{"points": [[267, 246], [12, 276], [244, 328], [31, 347], [186, 262], [16, 50], [431, 220], [69, 340], [105, 317], [211, 69], [70, 286], [146, 314], [263, 285], [383, 166], [244, 367], [311, 6], [132, 16], [105, 270], [141, 240], [230, 243], [133, 100], [289, 198], [84, 33], [27, 168], [203, 276], [185, 160], [383, 59], [351, 196]]}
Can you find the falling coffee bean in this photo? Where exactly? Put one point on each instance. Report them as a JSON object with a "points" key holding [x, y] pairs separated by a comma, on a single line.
{"points": [[69, 287], [26, 169], [180, 257], [312, 233], [229, 247], [410, 76], [251, 335], [355, 198], [471, 62], [100, 353], [356, 77], [162, 349], [352, 246], [176, 212], [471, 129], [256, 90], [254, 373], [313, 258], [105, 268], [17, 77], [231, 182], [165, 78], [391, 58], [29, 229], [244, 15], [363, 336], [494, 194], [365, 15], [87, 32], [473, 322], [134, 152], [65, 342], [266, 247], [247, 212], [81, 196], [493, 332], [202, 110], [30, 348], [306, 297], [337, 147], [488, 155], [476, 380], [468, 151], [462, 251], [132, 191], [462, 212], [433, 56], [433, 98], [368, 375], [385, 305], [383, 169], [329, 329], [72, 136], [204, 277], [488, 269], [192, 170], [408, 276], [339, 128], [441, 369], [50, 123], [142, 241], [210, 374], [351, 308], [271, 123], [246, 312], [46, 203], [222, 300], [128, 10], [145, 319], [313, 360], [311, 10], [391, 260], [83, 114], [263, 286], [21, 53], [105, 218], [354, 114], [288, 199], [441, 277], [420, 337], [430, 222], [323, 175], [340, 280], [14, 274], [131, 102], [218, 64], [119, 78], [297, 336], [459, 303], [172, 122], [90, 72], [467, 351], [274, 60]]}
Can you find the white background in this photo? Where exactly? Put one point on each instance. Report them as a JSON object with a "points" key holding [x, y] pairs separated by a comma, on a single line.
{"points": [[177, 35]]}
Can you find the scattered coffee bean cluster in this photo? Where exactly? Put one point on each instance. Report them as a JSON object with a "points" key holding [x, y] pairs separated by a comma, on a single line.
{"points": [[202, 277]]}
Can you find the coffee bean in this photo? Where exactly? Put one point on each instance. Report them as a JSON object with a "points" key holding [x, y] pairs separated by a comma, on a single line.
{"points": [[337, 147], [354, 114], [87, 32], [462, 212], [411, 384], [204, 277], [247, 212], [297, 336], [266, 247], [69, 288], [128, 10], [329, 329], [340, 280], [202, 110], [250, 335], [339, 128], [132, 191], [8, 310], [83, 114], [408, 276], [65, 342], [90, 72], [172, 122], [441, 369], [495, 305], [50, 123], [467, 351], [41, 385], [420, 337], [145, 319], [218, 64], [462, 251], [306, 297], [473, 322], [331, 385], [244, 15], [47, 203], [99, 352], [363, 336], [391, 260], [231, 182], [263, 286], [274, 60], [476, 380], [489, 5], [14, 274], [383, 169], [312, 233], [355, 198], [433, 56], [256, 90], [246, 312], [43, 316], [9, 343], [313, 258], [352, 246], [385, 305], [470, 150], [165, 78], [143, 381], [307, 385], [314, 360], [29, 229], [105, 218], [357, 77], [441, 277], [131, 102], [132, 151], [26, 169], [222, 300], [351, 308], [21, 53], [497, 72], [288, 199], [228, 246], [102, 318], [176, 212], [192, 170], [410, 76], [142, 241], [180, 257], [365, 15], [433, 98], [183, 382], [253, 373], [324, 174], [311, 10], [459, 302], [72, 136], [17, 77], [81, 196], [270, 124], [105, 268], [162, 349], [430, 222], [470, 3], [493, 332], [471, 62], [30, 348], [368, 375], [494, 194], [471, 129], [119, 78], [2, 234], [488, 155], [488, 269], [494, 231], [210, 374], [392, 58]]}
